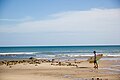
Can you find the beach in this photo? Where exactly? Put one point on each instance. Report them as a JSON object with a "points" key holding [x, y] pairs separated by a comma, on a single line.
{"points": [[59, 39], [59, 63], [108, 70]]}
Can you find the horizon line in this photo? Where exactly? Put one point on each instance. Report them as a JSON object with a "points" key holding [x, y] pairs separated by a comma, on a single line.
{"points": [[61, 45]]}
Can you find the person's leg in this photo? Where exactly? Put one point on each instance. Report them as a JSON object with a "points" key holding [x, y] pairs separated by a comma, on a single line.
{"points": [[96, 65]]}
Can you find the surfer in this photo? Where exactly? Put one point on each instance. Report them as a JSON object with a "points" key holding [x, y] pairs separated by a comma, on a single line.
{"points": [[95, 61]]}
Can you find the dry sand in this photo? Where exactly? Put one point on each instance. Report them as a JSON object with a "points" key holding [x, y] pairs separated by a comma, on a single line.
{"points": [[108, 70]]}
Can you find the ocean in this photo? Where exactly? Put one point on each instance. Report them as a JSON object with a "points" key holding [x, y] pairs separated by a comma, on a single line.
{"points": [[61, 52]]}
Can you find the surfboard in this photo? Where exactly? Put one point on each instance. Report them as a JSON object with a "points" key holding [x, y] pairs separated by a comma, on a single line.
{"points": [[98, 57]]}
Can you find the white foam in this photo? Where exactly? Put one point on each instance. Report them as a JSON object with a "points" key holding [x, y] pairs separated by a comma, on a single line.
{"points": [[110, 55], [17, 53], [71, 55], [86, 55]]}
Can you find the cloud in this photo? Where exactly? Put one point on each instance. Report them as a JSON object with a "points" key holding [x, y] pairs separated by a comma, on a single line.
{"points": [[27, 18], [94, 20]]}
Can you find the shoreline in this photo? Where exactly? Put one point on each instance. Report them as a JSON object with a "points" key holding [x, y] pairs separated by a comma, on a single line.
{"points": [[82, 57]]}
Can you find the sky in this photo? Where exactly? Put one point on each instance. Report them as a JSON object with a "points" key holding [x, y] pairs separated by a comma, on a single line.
{"points": [[59, 22]]}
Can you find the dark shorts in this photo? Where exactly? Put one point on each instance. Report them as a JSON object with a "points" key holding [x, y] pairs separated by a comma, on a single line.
{"points": [[95, 61]]}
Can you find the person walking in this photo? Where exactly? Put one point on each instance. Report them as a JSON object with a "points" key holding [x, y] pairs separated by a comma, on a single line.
{"points": [[95, 61]]}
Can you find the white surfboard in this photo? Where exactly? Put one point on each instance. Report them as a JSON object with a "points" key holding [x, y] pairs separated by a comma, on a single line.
{"points": [[98, 57]]}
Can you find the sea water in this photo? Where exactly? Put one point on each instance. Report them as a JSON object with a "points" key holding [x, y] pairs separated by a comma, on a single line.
{"points": [[63, 52]]}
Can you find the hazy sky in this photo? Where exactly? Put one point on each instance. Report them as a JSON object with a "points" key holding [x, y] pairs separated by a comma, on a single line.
{"points": [[59, 22]]}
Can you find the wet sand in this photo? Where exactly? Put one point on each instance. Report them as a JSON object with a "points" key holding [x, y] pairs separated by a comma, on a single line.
{"points": [[108, 70]]}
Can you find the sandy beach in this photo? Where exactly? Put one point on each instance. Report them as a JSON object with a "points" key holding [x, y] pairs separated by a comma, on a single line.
{"points": [[108, 70], [59, 39]]}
